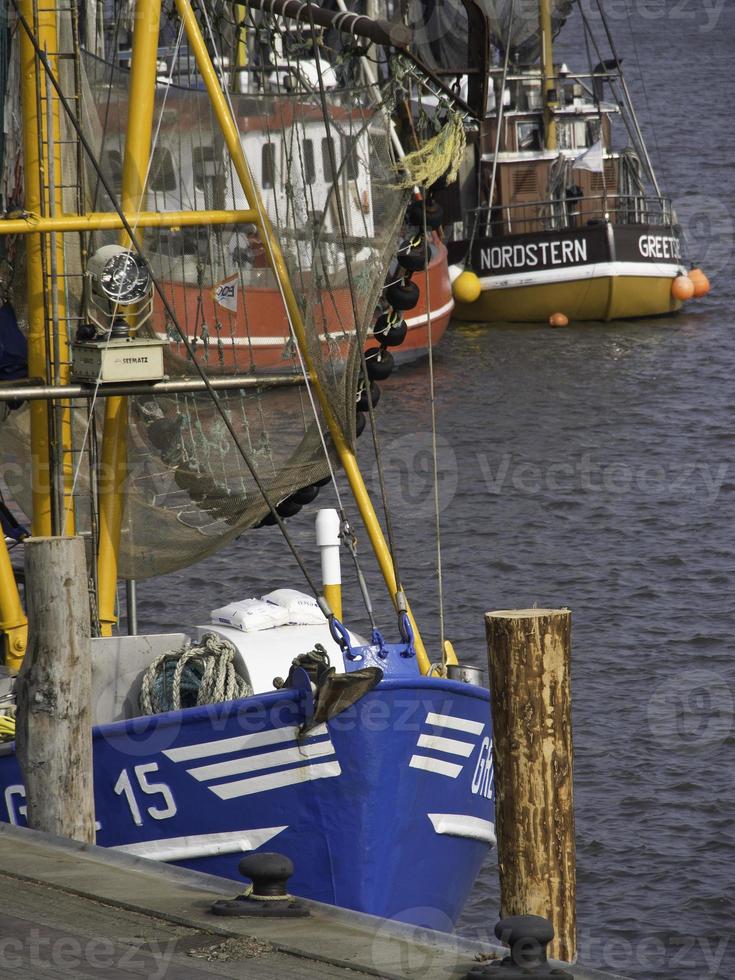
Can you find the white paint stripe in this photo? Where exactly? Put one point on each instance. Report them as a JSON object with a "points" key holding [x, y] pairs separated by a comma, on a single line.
{"points": [[449, 721], [201, 845], [416, 321], [229, 341], [413, 321], [599, 270], [266, 760], [435, 765], [274, 780], [441, 744], [203, 750], [463, 825]]}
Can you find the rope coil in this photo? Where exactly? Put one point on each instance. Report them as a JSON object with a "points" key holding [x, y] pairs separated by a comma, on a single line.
{"points": [[202, 673]]}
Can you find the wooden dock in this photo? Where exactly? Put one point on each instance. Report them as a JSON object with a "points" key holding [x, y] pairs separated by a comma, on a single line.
{"points": [[76, 910]]}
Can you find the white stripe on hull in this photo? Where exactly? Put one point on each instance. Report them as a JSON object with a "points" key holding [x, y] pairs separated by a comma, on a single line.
{"points": [[202, 750], [439, 766], [463, 825], [201, 845], [453, 746], [598, 270], [264, 760], [450, 721], [275, 780], [230, 341]]}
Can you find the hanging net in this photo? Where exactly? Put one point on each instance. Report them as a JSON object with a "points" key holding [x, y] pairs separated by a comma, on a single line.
{"points": [[442, 30], [318, 146]]}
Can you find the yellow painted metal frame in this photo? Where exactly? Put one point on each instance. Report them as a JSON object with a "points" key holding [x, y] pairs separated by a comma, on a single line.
{"points": [[275, 257], [113, 457], [110, 221], [137, 155], [13, 620]]}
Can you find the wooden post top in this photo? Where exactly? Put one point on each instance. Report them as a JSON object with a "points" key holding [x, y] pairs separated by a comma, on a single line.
{"points": [[527, 613]]}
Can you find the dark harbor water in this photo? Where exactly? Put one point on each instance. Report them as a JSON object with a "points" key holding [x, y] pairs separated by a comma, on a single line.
{"points": [[592, 467]]}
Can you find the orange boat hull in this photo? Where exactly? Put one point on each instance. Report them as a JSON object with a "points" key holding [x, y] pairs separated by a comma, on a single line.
{"points": [[256, 337]]}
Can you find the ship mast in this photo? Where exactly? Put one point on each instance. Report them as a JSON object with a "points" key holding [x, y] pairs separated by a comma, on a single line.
{"points": [[48, 320], [135, 167], [547, 64]]}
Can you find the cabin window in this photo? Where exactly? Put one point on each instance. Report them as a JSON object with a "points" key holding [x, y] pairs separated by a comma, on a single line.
{"points": [[309, 165], [528, 135], [564, 135], [327, 154], [163, 174], [572, 135], [349, 155], [268, 166]]}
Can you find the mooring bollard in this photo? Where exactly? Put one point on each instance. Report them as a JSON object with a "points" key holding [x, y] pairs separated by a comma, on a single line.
{"points": [[54, 691], [268, 897], [529, 653], [528, 936]]}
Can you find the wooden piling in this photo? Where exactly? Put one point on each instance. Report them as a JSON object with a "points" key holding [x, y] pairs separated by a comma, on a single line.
{"points": [[529, 653], [54, 686]]}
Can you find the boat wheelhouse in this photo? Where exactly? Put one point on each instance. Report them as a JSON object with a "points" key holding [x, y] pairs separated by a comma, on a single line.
{"points": [[558, 209]]}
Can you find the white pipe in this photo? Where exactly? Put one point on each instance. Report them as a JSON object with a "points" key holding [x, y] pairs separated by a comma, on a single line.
{"points": [[328, 541]]}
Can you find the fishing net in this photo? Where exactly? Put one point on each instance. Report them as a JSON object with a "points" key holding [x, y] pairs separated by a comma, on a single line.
{"points": [[319, 150], [442, 30]]}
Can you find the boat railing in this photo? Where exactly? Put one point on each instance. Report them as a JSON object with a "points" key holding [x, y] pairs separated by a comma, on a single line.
{"points": [[561, 214]]}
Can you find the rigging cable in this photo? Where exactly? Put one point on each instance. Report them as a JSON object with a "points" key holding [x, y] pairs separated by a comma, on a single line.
{"points": [[399, 598], [346, 532], [501, 119], [302, 364], [214, 394], [435, 460], [628, 99]]}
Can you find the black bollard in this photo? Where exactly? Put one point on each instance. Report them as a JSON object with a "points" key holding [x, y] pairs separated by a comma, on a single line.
{"points": [[528, 936], [268, 897]]}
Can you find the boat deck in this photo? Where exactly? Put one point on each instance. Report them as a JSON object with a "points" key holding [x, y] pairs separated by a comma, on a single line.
{"points": [[73, 910]]}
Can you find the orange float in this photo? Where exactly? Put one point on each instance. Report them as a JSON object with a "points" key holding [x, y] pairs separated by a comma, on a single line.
{"points": [[558, 320], [701, 283], [682, 288]]}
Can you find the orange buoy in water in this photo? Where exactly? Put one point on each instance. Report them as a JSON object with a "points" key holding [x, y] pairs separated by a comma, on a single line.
{"points": [[682, 288], [558, 320], [701, 282]]}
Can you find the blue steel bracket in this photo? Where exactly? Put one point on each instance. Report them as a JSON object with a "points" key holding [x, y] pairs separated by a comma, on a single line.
{"points": [[394, 659]]}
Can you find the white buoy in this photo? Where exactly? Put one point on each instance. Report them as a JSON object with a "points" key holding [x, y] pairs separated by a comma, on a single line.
{"points": [[328, 542]]}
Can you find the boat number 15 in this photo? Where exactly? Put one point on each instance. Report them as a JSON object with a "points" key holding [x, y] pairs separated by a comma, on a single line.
{"points": [[130, 787]]}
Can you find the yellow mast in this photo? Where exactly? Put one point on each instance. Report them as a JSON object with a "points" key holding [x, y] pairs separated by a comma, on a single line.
{"points": [[241, 50], [41, 133], [135, 166], [547, 62], [346, 455]]}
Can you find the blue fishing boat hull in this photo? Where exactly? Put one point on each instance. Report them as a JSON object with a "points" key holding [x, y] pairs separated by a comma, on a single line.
{"points": [[387, 809]]}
